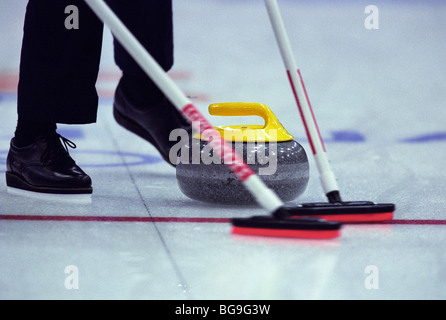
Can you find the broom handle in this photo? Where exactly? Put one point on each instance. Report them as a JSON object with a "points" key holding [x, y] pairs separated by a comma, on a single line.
{"points": [[264, 196], [327, 176]]}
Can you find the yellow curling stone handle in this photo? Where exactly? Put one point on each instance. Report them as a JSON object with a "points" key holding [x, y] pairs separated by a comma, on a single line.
{"points": [[271, 131]]}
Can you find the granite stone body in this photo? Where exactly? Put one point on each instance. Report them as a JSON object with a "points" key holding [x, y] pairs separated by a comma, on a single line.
{"points": [[283, 167]]}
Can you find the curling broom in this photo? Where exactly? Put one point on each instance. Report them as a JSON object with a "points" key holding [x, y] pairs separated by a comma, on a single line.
{"points": [[335, 209]]}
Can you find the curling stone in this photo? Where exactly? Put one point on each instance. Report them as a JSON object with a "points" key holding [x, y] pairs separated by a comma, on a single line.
{"points": [[269, 150]]}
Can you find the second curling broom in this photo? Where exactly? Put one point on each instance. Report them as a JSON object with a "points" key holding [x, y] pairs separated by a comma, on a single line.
{"points": [[335, 209]]}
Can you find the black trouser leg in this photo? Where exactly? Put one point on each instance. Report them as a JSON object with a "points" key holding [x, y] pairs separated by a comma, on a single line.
{"points": [[59, 66], [151, 23]]}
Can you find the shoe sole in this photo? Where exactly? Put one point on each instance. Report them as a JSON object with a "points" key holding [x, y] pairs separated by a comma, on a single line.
{"points": [[18, 183], [139, 131], [79, 199]]}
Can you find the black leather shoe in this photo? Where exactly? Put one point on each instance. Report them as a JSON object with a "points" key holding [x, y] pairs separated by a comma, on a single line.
{"points": [[154, 123], [46, 167]]}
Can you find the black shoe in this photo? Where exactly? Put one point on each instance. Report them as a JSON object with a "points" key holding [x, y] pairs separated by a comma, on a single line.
{"points": [[46, 167], [154, 123]]}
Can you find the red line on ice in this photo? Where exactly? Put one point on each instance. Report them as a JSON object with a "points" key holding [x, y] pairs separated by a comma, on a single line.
{"points": [[110, 218], [26, 217]]}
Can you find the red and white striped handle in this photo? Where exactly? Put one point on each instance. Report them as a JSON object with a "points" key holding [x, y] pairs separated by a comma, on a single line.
{"points": [[327, 176]]}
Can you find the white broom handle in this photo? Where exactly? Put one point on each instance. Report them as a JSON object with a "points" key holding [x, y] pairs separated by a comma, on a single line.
{"points": [[327, 176], [264, 196]]}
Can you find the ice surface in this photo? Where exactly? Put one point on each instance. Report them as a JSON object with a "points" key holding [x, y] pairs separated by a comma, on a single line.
{"points": [[379, 99]]}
